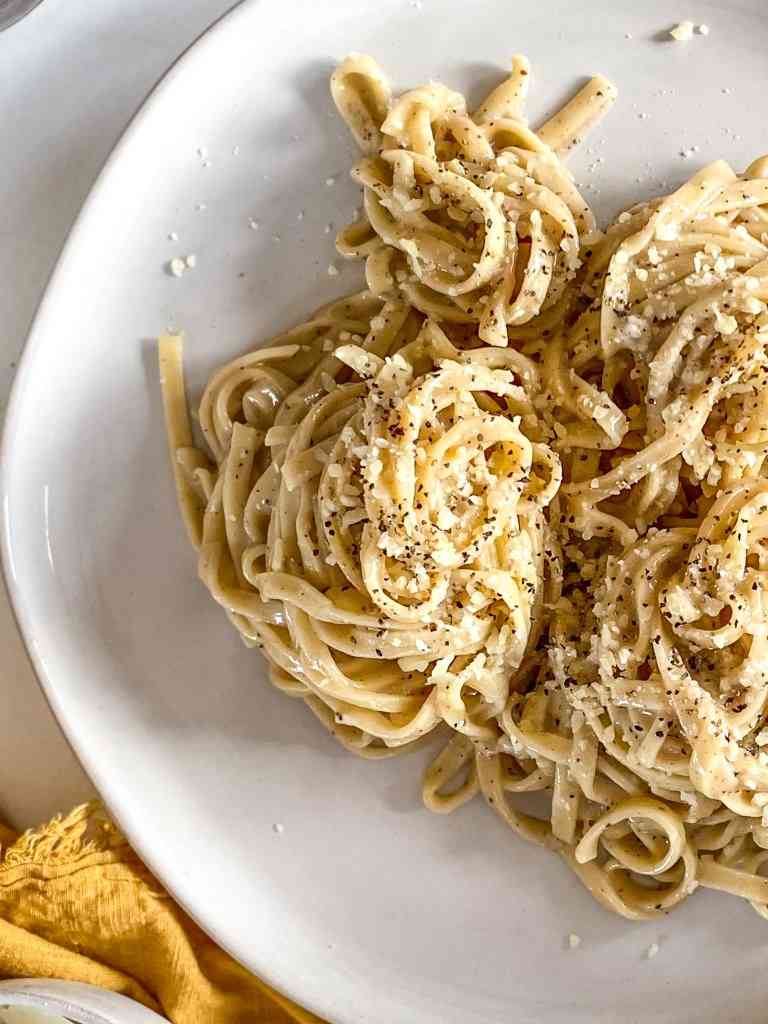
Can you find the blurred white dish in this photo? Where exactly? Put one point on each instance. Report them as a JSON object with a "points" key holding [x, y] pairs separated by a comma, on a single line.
{"points": [[363, 906], [39, 1000]]}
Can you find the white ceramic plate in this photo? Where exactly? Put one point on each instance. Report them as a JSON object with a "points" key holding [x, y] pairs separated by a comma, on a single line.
{"points": [[365, 907]]}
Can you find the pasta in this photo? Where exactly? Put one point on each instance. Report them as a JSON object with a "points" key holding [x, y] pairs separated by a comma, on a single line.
{"points": [[515, 492], [378, 528], [470, 219]]}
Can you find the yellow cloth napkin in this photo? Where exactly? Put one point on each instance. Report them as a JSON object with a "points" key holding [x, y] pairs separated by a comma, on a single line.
{"points": [[77, 903]]}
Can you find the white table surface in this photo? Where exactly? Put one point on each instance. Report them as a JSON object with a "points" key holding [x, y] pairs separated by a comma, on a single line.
{"points": [[71, 75]]}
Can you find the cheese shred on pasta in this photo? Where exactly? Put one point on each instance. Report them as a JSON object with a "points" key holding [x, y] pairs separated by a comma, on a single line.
{"points": [[516, 491]]}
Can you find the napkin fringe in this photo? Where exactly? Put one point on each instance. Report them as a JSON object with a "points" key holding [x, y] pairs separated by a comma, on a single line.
{"points": [[65, 838], [77, 903]]}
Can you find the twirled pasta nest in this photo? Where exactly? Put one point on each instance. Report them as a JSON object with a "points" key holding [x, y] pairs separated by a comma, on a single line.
{"points": [[473, 219], [675, 335], [375, 520]]}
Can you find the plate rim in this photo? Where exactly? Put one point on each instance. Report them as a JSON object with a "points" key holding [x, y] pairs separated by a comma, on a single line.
{"points": [[269, 973], [273, 987]]}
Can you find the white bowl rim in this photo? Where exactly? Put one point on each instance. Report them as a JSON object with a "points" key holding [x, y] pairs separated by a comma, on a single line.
{"points": [[78, 1002]]}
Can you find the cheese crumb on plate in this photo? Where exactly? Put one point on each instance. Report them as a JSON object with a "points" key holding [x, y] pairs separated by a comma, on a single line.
{"points": [[682, 32]]}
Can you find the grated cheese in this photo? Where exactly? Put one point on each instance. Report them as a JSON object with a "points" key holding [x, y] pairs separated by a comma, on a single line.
{"points": [[683, 32]]}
